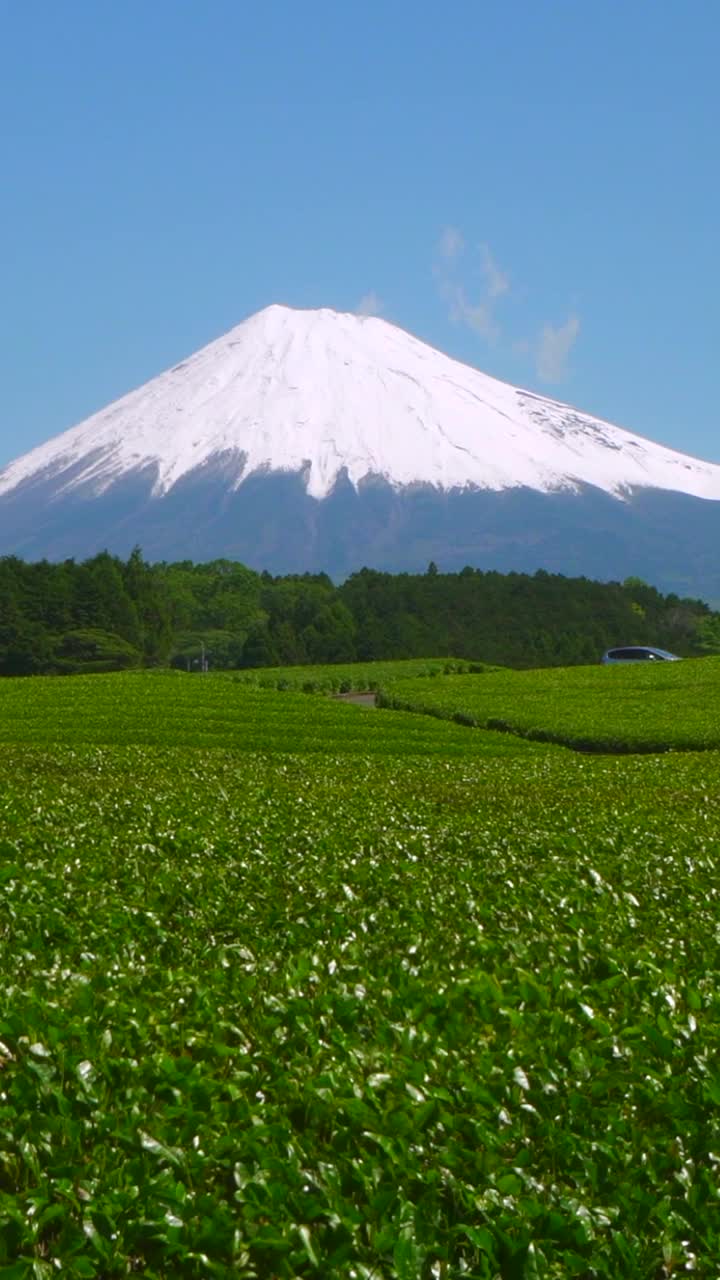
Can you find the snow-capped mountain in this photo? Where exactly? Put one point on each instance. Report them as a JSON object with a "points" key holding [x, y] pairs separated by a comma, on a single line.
{"points": [[254, 446], [320, 392]]}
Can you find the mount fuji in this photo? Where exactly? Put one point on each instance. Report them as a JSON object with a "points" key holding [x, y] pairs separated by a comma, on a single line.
{"points": [[317, 440]]}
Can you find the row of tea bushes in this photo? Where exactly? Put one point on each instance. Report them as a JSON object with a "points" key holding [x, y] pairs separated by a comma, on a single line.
{"points": [[649, 708], [343, 1015]]}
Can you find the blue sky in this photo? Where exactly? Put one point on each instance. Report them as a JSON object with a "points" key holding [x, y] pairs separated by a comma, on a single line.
{"points": [[532, 186]]}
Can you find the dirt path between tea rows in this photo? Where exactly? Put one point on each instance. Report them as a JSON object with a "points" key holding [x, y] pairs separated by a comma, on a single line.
{"points": [[360, 699]]}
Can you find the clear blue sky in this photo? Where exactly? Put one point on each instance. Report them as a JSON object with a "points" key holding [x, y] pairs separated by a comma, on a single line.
{"points": [[532, 185]]}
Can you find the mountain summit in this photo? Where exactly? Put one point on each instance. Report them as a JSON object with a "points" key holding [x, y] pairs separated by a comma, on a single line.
{"points": [[305, 440], [320, 393]]}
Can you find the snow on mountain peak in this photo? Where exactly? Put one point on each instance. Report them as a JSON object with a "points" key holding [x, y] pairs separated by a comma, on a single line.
{"points": [[323, 393]]}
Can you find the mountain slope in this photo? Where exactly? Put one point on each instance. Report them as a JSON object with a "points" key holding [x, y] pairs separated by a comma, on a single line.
{"points": [[322, 393], [309, 440]]}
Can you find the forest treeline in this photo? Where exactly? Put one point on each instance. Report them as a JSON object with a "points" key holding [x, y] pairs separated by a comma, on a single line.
{"points": [[107, 613]]}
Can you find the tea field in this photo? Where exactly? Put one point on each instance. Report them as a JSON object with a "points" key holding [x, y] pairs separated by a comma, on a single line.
{"points": [[356, 676], [167, 708], [299, 989], [654, 707]]}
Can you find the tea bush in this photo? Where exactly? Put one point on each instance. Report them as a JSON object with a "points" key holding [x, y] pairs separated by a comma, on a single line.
{"points": [[310, 1015], [345, 993], [173, 709], [654, 707], [356, 676]]}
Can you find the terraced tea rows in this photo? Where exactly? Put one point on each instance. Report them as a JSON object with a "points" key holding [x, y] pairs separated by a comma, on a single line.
{"points": [[324, 1009], [358, 676], [668, 706], [173, 709]]}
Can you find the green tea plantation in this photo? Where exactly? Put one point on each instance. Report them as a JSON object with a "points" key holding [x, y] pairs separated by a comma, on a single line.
{"points": [[293, 988]]}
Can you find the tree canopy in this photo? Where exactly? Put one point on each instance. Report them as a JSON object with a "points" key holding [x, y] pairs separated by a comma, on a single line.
{"points": [[106, 613]]}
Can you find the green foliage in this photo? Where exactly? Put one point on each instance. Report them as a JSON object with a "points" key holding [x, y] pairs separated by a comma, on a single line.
{"points": [[334, 1015], [708, 634], [91, 650], [220, 649], [513, 619], [297, 988], [356, 676], [169, 708], [650, 707], [249, 620]]}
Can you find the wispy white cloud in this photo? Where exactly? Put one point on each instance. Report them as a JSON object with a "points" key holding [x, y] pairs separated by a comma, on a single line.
{"points": [[370, 305], [477, 316], [451, 243], [554, 347], [496, 281], [474, 285], [471, 302]]}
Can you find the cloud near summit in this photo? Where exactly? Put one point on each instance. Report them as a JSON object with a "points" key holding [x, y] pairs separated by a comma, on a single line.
{"points": [[473, 305], [371, 304], [473, 285], [553, 348]]}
